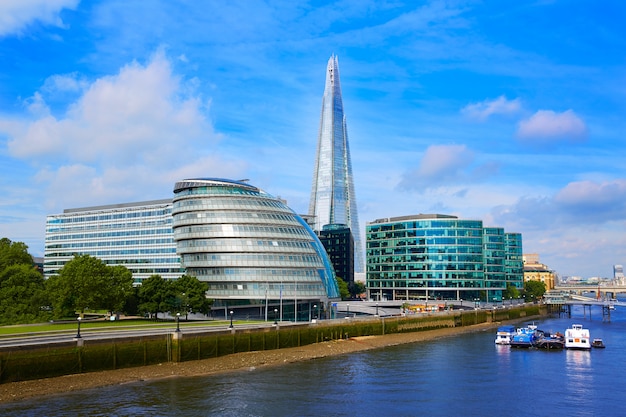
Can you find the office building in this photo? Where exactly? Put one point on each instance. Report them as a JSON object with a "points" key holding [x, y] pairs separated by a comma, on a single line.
{"points": [[250, 248], [333, 200], [435, 256], [339, 244], [138, 236]]}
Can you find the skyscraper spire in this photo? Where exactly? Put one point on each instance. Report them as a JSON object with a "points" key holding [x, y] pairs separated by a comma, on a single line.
{"points": [[332, 194]]}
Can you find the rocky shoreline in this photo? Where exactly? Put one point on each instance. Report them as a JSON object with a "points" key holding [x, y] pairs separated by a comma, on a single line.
{"points": [[16, 391]]}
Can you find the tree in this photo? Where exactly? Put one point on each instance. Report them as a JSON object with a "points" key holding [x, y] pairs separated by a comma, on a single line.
{"points": [[119, 287], [511, 293], [21, 295], [343, 289], [191, 296], [356, 289], [13, 253], [534, 290], [155, 295], [87, 282]]}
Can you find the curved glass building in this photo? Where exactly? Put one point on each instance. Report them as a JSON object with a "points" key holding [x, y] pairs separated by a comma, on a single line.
{"points": [[249, 247]]}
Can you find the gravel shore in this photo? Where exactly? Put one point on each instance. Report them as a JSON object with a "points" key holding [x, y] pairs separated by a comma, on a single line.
{"points": [[16, 391]]}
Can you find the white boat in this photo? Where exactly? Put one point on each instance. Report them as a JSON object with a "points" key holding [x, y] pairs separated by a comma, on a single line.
{"points": [[577, 338], [504, 335]]}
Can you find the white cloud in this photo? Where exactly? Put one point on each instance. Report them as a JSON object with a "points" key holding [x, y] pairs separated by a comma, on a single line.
{"points": [[445, 165], [483, 110], [68, 82], [133, 116], [15, 15], [131, 134], [548, 126]]}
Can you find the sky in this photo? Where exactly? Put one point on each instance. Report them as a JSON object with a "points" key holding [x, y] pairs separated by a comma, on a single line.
{"points": [[504, 111]]}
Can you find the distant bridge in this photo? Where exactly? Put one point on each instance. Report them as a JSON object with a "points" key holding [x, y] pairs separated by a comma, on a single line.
{"points": [[581, 288], [565, 301]]}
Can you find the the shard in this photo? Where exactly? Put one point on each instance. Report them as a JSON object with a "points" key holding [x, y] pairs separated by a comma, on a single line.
{"points": [[332, 194]]}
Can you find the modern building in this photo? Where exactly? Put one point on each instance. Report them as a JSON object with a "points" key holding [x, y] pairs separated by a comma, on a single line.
{"points": [[618, 274], [138, 236], [252, 250], [333, 200], [436, 256], [339, 244], [536, 271]]}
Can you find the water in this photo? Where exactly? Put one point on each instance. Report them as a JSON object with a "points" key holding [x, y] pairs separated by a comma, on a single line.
{"points": [[466, 375]]}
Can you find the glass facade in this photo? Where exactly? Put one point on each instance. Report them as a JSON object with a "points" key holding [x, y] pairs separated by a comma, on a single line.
{"points": [[339, 244], [514, 260], [437, 256], [333, 199], [138, 236], [248, 245]]}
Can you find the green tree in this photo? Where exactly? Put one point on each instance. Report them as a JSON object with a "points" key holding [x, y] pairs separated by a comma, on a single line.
{"points": [[22, 295], [13, 253], [511, 293], [356, 289], [119, 287], [190, 296], [87, 282], [343, 289], [534, 290], [155, 295]]}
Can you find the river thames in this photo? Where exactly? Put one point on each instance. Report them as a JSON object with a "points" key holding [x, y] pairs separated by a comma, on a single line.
{"points": [[466, 375]]}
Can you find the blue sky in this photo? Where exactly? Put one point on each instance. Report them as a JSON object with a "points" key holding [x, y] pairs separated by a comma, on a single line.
{"points": [[505, 111]]}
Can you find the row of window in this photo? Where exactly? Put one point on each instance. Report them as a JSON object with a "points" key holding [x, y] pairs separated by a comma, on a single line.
{"points": [[234, 243], [244, 230], [107, 235], [108, 216], [108, 243]]}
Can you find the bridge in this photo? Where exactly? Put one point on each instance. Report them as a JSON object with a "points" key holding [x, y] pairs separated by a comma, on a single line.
{"points": [[565, 300], [602, 288]]}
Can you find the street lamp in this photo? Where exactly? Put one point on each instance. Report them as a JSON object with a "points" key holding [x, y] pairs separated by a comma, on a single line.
{"points": [[177, 322], [314, 310], [376, 309], [348, 311], [78, 334], [231, 319], [275, 317]]}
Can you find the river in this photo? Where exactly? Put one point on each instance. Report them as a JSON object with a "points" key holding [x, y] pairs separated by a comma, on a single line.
{"points": [[466, 375]]}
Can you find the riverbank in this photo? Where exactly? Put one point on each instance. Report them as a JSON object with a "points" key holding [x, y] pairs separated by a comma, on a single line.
{"points": [[22, 390]]}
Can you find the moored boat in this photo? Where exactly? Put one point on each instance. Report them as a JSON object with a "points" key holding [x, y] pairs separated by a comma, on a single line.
{"points": [[598, 343], [577, 337], [504, 335], [524, 337], [550, 341]]}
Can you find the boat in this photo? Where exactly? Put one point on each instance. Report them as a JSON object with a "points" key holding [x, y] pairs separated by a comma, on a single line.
{"points": [[597, 343], [504, 335], [577, 337], [524, 337], [550, 341]]}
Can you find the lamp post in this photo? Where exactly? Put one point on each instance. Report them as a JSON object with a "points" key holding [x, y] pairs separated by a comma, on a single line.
{"points": [[275, 317], [315, 310], [348, 311], [231, 319], [78, 333], [177, 322], [376, 309]]}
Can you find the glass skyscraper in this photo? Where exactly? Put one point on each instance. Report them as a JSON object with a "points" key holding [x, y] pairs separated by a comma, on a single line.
{"points": [[333, 199]]}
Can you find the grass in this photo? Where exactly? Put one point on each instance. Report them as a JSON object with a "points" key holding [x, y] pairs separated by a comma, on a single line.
{"points": [[63, 327]]}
